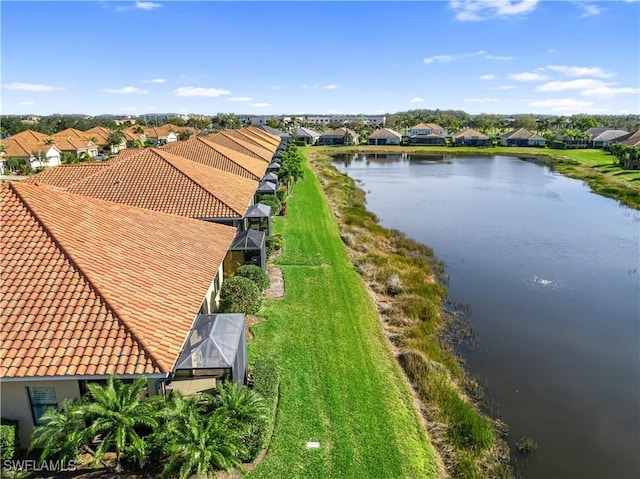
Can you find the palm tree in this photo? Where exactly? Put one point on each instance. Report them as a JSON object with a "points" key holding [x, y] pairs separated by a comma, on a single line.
{"points": [[201, 444], [240, 404], [62, 436], [116, 410]]}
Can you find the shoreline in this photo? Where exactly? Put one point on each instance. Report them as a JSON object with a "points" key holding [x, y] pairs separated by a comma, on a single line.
{"points": [[406, 283]]}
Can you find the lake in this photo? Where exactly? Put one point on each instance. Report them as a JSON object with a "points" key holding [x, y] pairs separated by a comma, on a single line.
{"points": [[550, 274]]}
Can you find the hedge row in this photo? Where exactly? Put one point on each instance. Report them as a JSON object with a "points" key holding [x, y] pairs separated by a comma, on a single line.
{"points": [[266, 382], [9, 442]]}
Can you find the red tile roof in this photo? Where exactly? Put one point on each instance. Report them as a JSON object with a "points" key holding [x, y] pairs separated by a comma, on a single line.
{"points": [[271, 140], [248, 137], [212, 154], [64, 176], [158, 180], [96, 288], [225, 138]]}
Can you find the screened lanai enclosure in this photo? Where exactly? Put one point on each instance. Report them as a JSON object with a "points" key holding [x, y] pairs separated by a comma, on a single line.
{"points": [[248, 247], [216, 350], [259, 218]]}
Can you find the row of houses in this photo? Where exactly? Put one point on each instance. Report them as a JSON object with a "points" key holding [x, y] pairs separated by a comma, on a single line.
{"points": [[115, 268], [38, 150], [433, 134]]}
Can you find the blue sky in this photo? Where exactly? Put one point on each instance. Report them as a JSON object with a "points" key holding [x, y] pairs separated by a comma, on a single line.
{"points": [[491, 56]]}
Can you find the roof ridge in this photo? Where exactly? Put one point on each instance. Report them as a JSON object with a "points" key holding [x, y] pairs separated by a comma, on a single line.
{"points": [[217, 147], [84, 276], [193, 180]]}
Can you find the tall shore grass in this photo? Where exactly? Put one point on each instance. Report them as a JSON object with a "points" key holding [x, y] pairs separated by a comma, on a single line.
{"points": [[405, 282]]}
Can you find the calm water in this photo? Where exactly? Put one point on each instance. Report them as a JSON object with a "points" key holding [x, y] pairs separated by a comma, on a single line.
{"points": [[550, 273]]}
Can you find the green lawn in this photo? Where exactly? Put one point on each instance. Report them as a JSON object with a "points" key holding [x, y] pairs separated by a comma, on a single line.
{"points": [[340, 384]]}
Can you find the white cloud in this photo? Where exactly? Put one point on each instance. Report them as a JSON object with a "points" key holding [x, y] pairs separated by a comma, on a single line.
{"points": [[487, 77], [607, 92], [29, 87], [580, 84], [126, 89], [197, 91], [260, 105], [276, 87], [498, 57], [505, 87], [416, 99], [476, 10], [438, 59], [311, 87], [155, 80], [331, 87], [147, 5], [574, 71], [564, 105], [27, 103], [526, 76], [478, 53], [590, 10], [481, 100], [551, 50], [240, 98]]}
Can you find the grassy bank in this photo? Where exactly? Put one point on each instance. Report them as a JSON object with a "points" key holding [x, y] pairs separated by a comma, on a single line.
{"points": [[403, 278], [592, 166], [340, 384]]}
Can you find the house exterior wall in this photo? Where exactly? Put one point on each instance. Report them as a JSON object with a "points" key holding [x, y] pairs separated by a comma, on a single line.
{"points": [[426, 141], [16, 405]]}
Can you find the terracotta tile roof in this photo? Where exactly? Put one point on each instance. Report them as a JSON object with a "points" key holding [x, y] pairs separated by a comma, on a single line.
{"points": [[211, 154], [470, 132], [158, 180], [225, 139], [631, 139], [30, 135], [23, 146], [131, 135], [70, 143], [73, 133], [251, 138], [96, 288], [100, 133], [64, 176], [272, 140], [156, 132]]}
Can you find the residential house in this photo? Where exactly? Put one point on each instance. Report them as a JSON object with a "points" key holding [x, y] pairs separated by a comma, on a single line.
{"points": [[310, 137], [470, 137], [340, 136], [134, 136], [32, 148], [272, 141], [77, 145], [384, 136], [603, 137], [93, 288], [521, 137], [427, 134], [252, 138], [631, 139], [427, 129], [100, 137], [160, 136]]}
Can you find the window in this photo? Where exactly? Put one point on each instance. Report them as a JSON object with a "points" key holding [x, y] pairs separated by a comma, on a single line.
{"points": [[41, 399]]}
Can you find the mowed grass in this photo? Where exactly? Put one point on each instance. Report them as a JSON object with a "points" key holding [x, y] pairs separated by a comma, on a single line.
{"points": [[340, 385]]}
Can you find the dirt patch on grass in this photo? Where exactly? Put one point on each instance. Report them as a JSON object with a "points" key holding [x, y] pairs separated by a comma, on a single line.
{"points": [[276, 283]]}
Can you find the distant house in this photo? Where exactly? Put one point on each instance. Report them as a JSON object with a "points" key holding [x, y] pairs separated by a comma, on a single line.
{"points": [[117, 301], [427, 129], [521, 137], [631, 139], [160, 136], [384, 136], [340, 136], [427, 134], [134, 136], [100, 136], [275, 131], [34, 149], [76, 145], [602, 137], [470, 137], [306, 135]]}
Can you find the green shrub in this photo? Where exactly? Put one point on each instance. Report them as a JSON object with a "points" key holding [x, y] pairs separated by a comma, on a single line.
{"points": [[255, 274], [273, 243], [9, 442], [240, 295], [266, 382], [299, 143], [281, 194], [273, 202]]}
